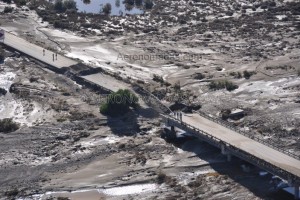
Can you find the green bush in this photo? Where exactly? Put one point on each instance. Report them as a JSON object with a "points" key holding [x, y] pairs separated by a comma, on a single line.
{"points": [[62, 6], [2, 57], [106, 9], [129, 2], [119, 103], [60, 24], [8, 9], [7, 1], [148, 4], [219, 68], [138, 2], [199, 76], [222, 84], [248, 74], [8, 125], [157, 78], [20, 2], [70, 4]]}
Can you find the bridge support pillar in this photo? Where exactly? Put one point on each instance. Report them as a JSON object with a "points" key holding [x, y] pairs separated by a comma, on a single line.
{"points": [[225, 152], [296, 192], [172, 129], [228, 157]]}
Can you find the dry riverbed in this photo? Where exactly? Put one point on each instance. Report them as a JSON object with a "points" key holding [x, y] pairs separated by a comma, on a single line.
{"points": [[66, 148]]}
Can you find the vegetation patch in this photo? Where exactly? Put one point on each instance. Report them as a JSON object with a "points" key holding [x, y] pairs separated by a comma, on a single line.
{"points": [[8, 125], [2, 56], [199, 76], [222, 84], [248, 74], [3, 91], [119, 103], [237, 75], [8, 9]]}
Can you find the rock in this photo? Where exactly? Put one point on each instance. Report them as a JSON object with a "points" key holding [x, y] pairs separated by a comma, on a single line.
{"points": [[62, 137]]}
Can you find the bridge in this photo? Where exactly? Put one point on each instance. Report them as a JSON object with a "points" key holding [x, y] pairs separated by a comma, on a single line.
{"points": [[282, 164]]}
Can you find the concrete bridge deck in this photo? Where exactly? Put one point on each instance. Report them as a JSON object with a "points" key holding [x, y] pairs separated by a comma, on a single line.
{"points": [[37, 52], [244, 143]]}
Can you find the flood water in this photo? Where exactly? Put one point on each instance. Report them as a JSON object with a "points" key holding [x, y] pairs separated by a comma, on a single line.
{"points": [[95, 6]]}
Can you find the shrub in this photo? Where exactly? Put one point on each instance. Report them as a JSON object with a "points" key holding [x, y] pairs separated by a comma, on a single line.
{"points": [[12, 193], [20, 2], [157, 78], [225, 114], [7, 1], [138, 2], [118, 3], [33, 79], [161, 177], [1, 55], [248, 74], [219, 69], [8, 9], [70, 4], [8, 125], [148, 4], [199, 76], [60, 24], [106, 9], [62, 6], [3, 91], [119, 103], [222, 84], [129, 2], [59, 6]]}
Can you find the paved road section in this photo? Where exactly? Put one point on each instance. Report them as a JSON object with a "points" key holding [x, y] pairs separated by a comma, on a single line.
{"points": [[106, 81], [37, 52], [244, 143]]}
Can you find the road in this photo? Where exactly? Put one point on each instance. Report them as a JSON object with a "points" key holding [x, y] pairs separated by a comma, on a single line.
{"points": [[244, 143], [106, 81], [37, 51]]}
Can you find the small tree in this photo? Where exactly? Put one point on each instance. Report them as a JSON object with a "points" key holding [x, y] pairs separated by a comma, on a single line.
{"points": [[248, 74], [59, 6], [118, 3], [86, 2], [106, 9], [1, 55], [8, 125], [129, 2], [8, 9], [138, 2], [119, 103], [7, 1], [70, 4], [222, 84], [148, 4]]}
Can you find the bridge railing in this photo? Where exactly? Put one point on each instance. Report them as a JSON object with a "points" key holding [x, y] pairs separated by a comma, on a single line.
{"points": [[238, 152], [273, 145]]}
